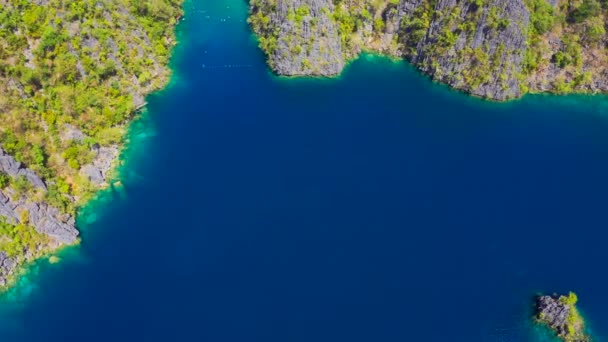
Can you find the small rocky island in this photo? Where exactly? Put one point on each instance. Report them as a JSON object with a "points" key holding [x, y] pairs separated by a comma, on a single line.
{"points": [[560, 314]]}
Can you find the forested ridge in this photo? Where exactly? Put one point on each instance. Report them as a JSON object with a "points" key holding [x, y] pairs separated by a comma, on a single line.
{"points": [[72, 75]]}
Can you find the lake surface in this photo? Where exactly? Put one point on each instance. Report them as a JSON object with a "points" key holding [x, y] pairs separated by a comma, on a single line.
{"points": [[372, 207]]}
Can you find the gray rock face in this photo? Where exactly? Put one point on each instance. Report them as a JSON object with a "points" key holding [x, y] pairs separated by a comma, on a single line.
{"points": [[71, 133], [7, 266], [105, 156], [485, 59], [553, 312], [44, 218], [478, 50], [307, 40], [7, 209], [93, 173], [33, 178], [105, 159], [8, 164], [13, 168], [560, 314], [49, 221], [97, 172]]}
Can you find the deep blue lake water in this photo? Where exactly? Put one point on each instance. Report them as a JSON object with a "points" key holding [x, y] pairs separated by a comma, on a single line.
{"points": [[373, 207]]}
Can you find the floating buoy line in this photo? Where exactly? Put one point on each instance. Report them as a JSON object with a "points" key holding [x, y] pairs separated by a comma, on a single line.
{"points": [[227, 66]]}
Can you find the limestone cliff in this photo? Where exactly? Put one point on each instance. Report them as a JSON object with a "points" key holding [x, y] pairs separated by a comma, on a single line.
{"points": [[303, 38], [475, 48], [496, 49]]}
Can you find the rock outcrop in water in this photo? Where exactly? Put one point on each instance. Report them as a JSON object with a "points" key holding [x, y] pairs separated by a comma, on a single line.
{"points": [[559, 313], [496, 49]]}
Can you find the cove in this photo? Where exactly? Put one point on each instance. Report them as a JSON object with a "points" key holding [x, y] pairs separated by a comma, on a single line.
{"points": [[376, 206]]}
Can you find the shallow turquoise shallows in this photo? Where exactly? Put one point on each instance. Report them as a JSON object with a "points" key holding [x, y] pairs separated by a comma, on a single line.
{"points": [[374, 207]]}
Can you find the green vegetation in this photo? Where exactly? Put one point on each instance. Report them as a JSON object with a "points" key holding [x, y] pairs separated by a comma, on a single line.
{"points": [[572, 329], [542, 16], [377, 25], [580, 30], [350, 17], [566, 45], [16, 239], [74, 62], [4, 180], [363, 19], [586, 10], [416, 27], [260, 21], [68, 66]]}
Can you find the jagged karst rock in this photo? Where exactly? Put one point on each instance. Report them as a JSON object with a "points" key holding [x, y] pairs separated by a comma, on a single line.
{"points": [[491, 49], [305, 39], [44, 218], [71, 133], [13, 168], [93, 174], [8, 164], [485, 60], [7, 209], [553, 312], [71, 75], [49, 221], [33, 178], [7, 266], [105, 158], [559, 313]]}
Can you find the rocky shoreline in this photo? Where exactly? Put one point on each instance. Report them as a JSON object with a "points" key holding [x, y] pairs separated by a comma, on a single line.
{"points": [[63, 126], [17, 208], [560, 314], [496, 49], [58, 226]]}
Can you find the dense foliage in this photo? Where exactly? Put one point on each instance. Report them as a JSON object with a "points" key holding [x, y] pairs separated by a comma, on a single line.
{"points": [[571, 37], [14, 239], [86, 63], [72, 75]]}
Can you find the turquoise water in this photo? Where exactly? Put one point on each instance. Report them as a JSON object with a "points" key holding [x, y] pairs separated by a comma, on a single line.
{"points": [[372, 207]]}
